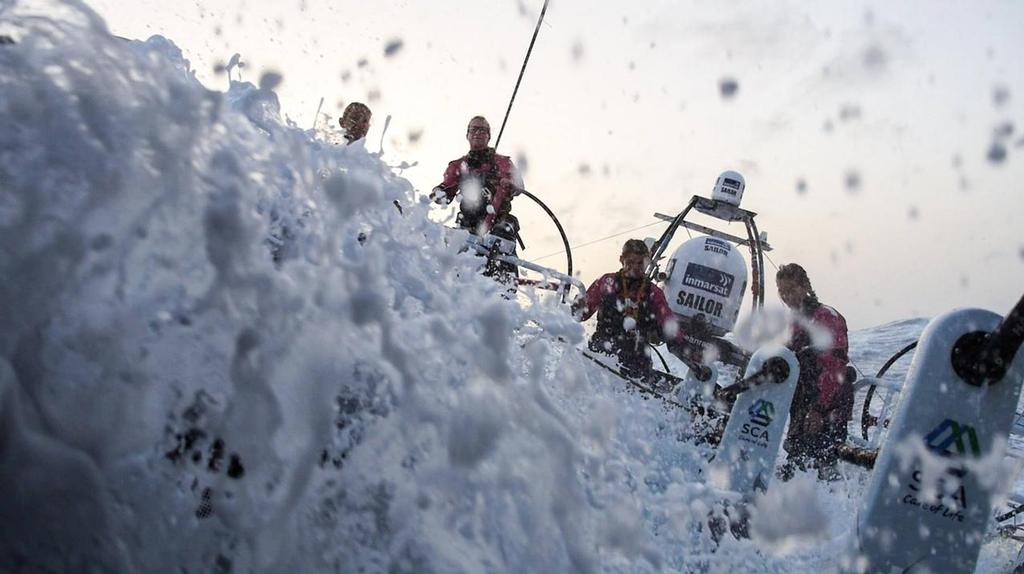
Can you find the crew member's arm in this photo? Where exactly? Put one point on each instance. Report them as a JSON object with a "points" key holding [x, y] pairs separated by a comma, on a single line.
{"points": [[671, 332], [449, 186], [510, 183], [585, 307], [832, 361], [515, 178], [805, 396]]}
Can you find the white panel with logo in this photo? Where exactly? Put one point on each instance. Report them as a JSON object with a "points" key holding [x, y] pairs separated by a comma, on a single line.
{"points": [[929, 500], [750, 444], [707, 276]]}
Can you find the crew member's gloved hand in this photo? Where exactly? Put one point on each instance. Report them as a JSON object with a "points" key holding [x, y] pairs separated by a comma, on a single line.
{"points": [[808, 360], [439, 196], [511, 186], [577, 307], [727, 394]]}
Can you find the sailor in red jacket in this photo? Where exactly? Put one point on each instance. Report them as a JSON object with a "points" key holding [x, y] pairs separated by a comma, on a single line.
{"points": [[488, 183], [631, 310], [823, 401]]}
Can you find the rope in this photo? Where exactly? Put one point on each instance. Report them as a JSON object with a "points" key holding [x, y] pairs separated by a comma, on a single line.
{"points": [[663, 362], [521, 71], [860, 372], [639, 386]]}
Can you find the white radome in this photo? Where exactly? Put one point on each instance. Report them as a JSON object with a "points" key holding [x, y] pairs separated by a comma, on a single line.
{"points": [[707, 276], [729, 188]]}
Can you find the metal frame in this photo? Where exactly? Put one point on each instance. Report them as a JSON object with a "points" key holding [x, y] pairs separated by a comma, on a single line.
{"points": [[490, 246], [500, 249], [725, 212]]}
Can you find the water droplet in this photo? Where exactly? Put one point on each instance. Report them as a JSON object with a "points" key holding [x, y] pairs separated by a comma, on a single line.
{"points": [[393, 47], [522, 162], [728, 87], [1000, 95], [576, 51], [996, 153], [270, 80], [875, 58], [849, 112], [853, 182], [1003, 130]]}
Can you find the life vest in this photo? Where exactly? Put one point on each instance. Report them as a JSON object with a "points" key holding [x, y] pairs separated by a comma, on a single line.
{"points": [[611, 334], [822, 380], [484, 166]]}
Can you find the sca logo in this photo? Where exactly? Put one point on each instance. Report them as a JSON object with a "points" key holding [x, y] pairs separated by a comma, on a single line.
{"points": [[756, 430], [948, 498], [761, 412], [952, 439]]}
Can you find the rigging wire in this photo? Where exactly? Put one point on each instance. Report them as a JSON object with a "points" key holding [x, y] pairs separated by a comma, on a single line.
{"points": [[521, 71], [599, 240]]}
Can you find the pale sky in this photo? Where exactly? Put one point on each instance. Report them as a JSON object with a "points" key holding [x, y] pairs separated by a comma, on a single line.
{"points": [[620, 115]]}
